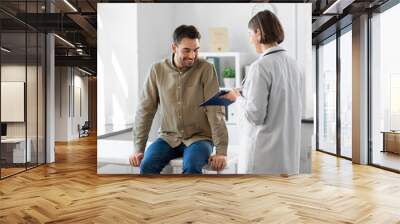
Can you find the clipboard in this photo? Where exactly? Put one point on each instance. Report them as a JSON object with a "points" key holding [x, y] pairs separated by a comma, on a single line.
{"points": [[216, 100]]}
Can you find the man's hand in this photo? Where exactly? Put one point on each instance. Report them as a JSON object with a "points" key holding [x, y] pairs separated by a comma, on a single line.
{"points": [[217, 162], [136, 158]]}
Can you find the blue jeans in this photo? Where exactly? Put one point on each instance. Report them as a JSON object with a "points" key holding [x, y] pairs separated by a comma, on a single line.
{"points": [[159, 153]]}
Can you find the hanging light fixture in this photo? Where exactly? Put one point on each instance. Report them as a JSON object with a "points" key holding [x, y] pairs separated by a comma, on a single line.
{"points": [[5, 50], [70, 5]]}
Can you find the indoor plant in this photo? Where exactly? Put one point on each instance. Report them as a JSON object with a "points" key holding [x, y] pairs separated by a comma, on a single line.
{"points": [[229, 77]]}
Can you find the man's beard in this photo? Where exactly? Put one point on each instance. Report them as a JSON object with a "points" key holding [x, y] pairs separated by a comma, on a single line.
{"points": [[188, 63]]}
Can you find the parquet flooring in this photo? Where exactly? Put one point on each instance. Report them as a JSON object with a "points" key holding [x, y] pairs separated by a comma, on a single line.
{"points": [[70, 191], [10, 171]]}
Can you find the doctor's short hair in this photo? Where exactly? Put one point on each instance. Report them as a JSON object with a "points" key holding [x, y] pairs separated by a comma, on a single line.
{"points": [[269, 26], [185, 31]]}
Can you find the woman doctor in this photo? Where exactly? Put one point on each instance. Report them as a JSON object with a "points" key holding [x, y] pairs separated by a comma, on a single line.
{"points": [[270, 102]]}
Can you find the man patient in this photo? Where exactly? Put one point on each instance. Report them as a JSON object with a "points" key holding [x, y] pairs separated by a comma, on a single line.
{"points": [[176, 86]]}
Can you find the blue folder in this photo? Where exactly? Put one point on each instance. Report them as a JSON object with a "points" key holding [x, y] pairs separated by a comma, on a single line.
{"points": [[216, 100]]}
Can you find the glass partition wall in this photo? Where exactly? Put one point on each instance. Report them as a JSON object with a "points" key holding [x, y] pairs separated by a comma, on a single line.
{"points": [[346, 93], [22, 77], [385, 90], [334, 95], [327, 95]]}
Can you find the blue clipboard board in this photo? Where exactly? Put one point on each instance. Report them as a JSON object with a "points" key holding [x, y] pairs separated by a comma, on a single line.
{"points": [[216, 100]]}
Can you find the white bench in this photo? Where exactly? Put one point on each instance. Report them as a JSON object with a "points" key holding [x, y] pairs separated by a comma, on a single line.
{"points": [[113, 158], [176, 165]]}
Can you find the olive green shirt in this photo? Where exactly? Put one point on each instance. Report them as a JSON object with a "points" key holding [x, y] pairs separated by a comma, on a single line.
{"points": [[178, 94]]}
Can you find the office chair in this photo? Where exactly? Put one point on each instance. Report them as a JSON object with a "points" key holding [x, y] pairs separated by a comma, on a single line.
{"points": [[84, 130]]}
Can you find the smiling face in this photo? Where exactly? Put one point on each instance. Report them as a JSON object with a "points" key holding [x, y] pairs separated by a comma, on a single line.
{"points": [[185, 52]]}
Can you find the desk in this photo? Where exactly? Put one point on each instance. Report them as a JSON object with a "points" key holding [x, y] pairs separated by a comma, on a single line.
{"points": [[15, 148], [391, 141]]}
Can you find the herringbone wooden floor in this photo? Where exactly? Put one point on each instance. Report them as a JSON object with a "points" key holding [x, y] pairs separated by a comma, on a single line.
{"points": [[70, 191]]}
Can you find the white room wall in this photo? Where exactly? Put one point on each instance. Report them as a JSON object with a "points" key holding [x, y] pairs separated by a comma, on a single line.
{"points": [[117, 66], [235, 18], [66, 121], [79, 117], [61, 103], [12, 73], [303, 46], [154, 35], [295, 19]]}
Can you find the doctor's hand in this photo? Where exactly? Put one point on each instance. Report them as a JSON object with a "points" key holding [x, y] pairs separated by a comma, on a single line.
{"points": [[232, 95], [217, 162], [136, 158]]}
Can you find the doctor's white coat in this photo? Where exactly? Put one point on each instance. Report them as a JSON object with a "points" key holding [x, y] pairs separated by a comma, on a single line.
{"points": [[271, 115]]}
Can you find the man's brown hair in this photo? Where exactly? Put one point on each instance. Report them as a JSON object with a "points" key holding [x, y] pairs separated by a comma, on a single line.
{"points": [[183, 31]]}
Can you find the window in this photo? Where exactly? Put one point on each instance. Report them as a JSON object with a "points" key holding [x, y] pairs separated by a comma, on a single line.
{"points": [[327, 97], [346, 93], [385, 89]]}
